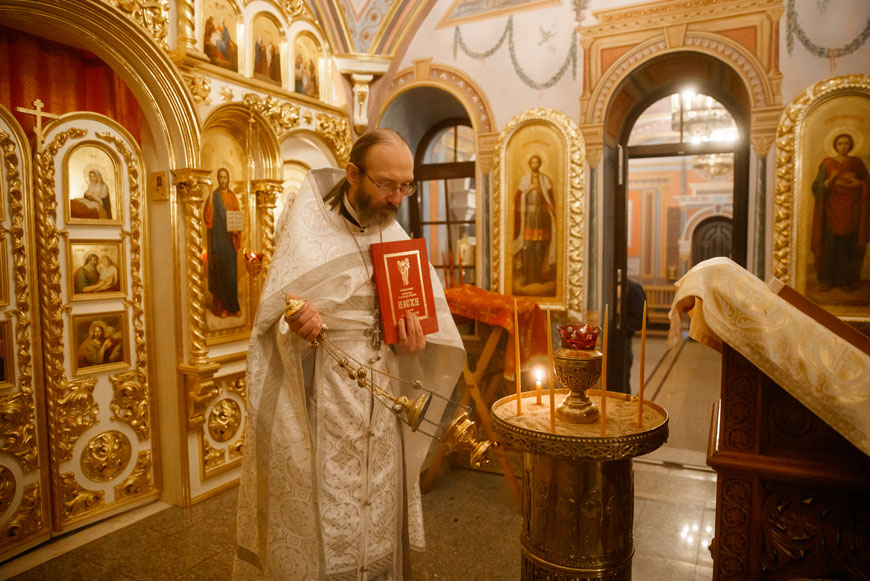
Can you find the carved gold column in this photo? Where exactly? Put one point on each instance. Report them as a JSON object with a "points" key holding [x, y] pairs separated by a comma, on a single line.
{"points": [[193, 187], [187, 31], [267, 192]]}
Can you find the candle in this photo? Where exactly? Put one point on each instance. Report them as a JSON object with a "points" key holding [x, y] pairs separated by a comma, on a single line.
{"points": [[642, 360], [550, 369], [604, 375], [459, 268], [538, 375], [444, 264], [517, 363], [450, 260]]}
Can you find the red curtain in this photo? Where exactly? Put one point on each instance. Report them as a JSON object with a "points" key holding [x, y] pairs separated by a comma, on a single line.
{"points": [[64, 78]]}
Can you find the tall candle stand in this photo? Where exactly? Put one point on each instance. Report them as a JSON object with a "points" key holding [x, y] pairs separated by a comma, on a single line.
{"points": [[578, 486]]}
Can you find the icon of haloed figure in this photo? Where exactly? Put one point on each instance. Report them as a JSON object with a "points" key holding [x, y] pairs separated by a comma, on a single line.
{"points": [[95, 202], [102, 345], [841, 218], [534, 216], [222, 247]]}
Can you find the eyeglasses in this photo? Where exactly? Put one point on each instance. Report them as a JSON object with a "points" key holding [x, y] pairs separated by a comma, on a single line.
{"points": [[388, 188]]}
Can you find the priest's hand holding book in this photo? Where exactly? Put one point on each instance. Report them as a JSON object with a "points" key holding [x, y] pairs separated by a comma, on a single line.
{"points": [[411, 337]]}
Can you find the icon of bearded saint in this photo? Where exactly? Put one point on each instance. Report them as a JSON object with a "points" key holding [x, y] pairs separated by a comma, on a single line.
{"points": [[404, 267]]}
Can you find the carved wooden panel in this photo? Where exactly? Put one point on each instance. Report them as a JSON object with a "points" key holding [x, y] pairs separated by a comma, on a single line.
{"points": [[24, 518], [90, 215], [793, 496]]}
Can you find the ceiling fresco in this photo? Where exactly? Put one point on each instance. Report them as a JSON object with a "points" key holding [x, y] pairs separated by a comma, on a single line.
{"points": [[375, 27]]}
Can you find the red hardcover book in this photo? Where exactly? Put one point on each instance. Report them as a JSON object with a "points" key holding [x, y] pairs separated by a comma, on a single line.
{"points": [[403, 283]]}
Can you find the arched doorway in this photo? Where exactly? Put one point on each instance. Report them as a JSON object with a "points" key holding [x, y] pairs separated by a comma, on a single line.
{"points": [[711, 238], [653, 81]]}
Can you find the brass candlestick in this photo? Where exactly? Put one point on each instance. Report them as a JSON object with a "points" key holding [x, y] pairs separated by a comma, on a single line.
{"points": [[578, 367]]}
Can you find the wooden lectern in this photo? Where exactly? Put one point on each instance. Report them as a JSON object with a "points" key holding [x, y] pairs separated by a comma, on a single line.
{"points": [[793, 495]]}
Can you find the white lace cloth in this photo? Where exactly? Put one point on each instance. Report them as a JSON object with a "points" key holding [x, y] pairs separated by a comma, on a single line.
{"points": [[827, 374]]}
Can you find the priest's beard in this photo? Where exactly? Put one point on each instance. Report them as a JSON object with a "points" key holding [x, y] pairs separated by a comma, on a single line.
{"points": [[374, 214]]}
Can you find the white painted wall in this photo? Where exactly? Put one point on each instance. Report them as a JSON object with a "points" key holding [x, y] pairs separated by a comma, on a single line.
{"points": [[826, 23], [539, 59]]}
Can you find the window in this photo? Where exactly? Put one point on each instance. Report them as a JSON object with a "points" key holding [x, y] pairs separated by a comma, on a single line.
{"points": [[444, 209]]}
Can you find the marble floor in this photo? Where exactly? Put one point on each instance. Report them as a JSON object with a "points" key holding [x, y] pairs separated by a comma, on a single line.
{"points": [[472, 521]]}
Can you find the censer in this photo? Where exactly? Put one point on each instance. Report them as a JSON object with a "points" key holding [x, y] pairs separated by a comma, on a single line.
{"points": [[460, 435]]}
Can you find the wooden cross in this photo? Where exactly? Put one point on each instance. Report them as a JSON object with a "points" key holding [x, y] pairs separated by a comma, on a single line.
{"points": [[37, 110]]}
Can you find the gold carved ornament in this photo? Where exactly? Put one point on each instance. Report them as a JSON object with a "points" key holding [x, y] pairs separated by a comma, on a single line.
{"points": [[18, 430], [7, 488], [105, 456], [17, 419], [23, 328], [336, 132], [199, 87], [130, 402], [238, 387], [787, 135], [152, 15], [192, 191], [28, 518], [573, 223], [295, 8], [77, 500], [139, 480], [267, 197], [281, 115], [224, 420], [71, 405], [224, 424], [211, 457]]}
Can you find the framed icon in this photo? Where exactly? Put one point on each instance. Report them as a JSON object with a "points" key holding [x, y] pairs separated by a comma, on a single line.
{"points": [[93, 185], [101, 342], [96, 269]]}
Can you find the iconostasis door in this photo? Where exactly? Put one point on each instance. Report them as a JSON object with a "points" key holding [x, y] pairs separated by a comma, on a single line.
{"points": [[79, 445]]}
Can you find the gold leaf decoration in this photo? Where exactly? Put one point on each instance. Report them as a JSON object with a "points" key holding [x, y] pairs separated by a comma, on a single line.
{"points": [[787, 160], [200, 88], [267, 196], [71, 407], [23, 329], [281, 115], [236, 448], [105, 456], [152, 15], [18, 430], [75, 412], [193, 189], [295, 8], [336, 132], [139, 481], [27, 519], [224, 420], [211, 457], [7, 488], [130, 402], [574, 202], [77, 499], [237, 386]]}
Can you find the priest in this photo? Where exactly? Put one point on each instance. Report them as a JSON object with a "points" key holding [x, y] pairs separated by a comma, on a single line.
{"points": [[330, 475]]}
